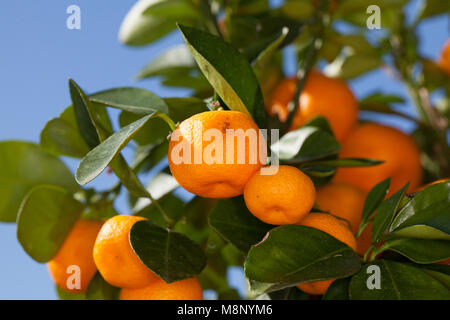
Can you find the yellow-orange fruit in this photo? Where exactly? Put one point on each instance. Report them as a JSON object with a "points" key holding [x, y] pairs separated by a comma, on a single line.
{"points": [[338, 229], [398, 150], [76, 251], [320, 96], [114, 257], [281, 198], [204, 163], [444, 59], [342, 200], [189, 289]]}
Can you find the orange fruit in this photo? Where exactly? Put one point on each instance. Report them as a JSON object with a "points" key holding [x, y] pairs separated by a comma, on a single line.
{"points": [[365, 240], [281, 198], [335, 227], [115, 259], [76, 250], [342, 200], [204, 163], [189, 289], [444, 59], [321, 95], [398, 150]]}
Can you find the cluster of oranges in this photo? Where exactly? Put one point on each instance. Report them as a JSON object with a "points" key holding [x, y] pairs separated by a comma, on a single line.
{"points": [[288, 196], [94, 245]]}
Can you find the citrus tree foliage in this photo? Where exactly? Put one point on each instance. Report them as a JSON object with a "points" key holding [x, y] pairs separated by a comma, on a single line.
{"points": [[231, 56]]}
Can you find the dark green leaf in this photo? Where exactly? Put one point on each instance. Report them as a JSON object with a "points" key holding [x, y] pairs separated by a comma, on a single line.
{"points": [[349, 162], [46, 216], [183, 108], [232, 220], [64, 295], [228, 72], [373, 200], [136, 100], [338, 290], [431, 8], [292, 293], [154, 131], [426, 215], [399, 281], [319, 171], [99, 158], [420, 250], [294, 254], [171, 255], [24, 166], [385, 214]]}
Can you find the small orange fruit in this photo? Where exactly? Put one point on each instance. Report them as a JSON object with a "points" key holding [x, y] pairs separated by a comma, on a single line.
{"points": [[444, 59], [335, 227], [365, 240], [189, 289], [321, 96], [342, 200], [115, 259], [281, 198], [204, 163], [398, 150], [76, 251]]}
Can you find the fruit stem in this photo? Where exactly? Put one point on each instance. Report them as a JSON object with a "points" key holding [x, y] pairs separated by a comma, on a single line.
{"points": [[168, 120]]}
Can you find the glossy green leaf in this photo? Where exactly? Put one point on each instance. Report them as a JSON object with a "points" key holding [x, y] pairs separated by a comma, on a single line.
{"points": [[64, 295], [305, 144], [99, 158], [292, 293], [349, 162], [174, 9], [136, 100], [385, 214], [428, 210], [319, 171], [228, 72], [294, 254], [99, 289], [154, 131], [81, 107], [46, 216], [420, 250], [399, 281], [263, 59], [138, 29], [232, 220], [169, 254], [338, 290], [18, 174], [61, 136], [183, 108], [373, 200]]}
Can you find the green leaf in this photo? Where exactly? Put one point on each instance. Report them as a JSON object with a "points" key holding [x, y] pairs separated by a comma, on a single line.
{"points": [[174, 9], [385, 213], [399, 281], [431, 8], [319, 171], [183, 108], [338, 290], [379, 98], [61, 136], [24, 165], [420, 250], [99, 289], [232, 220], [349, 65], [135, 100], [99, 158], [46, 216], [263, 60], [294, 254], [373, 200], [349, 162], [305, 144], [171, 255], [138, 29], [292, 293], [81, 107], [154, 131], [426, 215], [228, 72], [64, 295], [170, 62]]}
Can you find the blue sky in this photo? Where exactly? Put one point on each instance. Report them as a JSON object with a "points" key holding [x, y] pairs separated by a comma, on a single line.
{"points": [[38, 55]]}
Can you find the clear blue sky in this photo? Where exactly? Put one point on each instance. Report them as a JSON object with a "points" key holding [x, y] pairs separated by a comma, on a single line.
{"points": [[37, 56]]}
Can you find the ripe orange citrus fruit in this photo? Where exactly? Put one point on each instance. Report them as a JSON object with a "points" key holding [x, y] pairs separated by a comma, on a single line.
{"points": [[444, 59], [204, 163], [76, 251], [342, 200], [189, 289], [281, 198], [365, 240], [335, 227], [115, 259], [398, 150], [321, 95]]}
